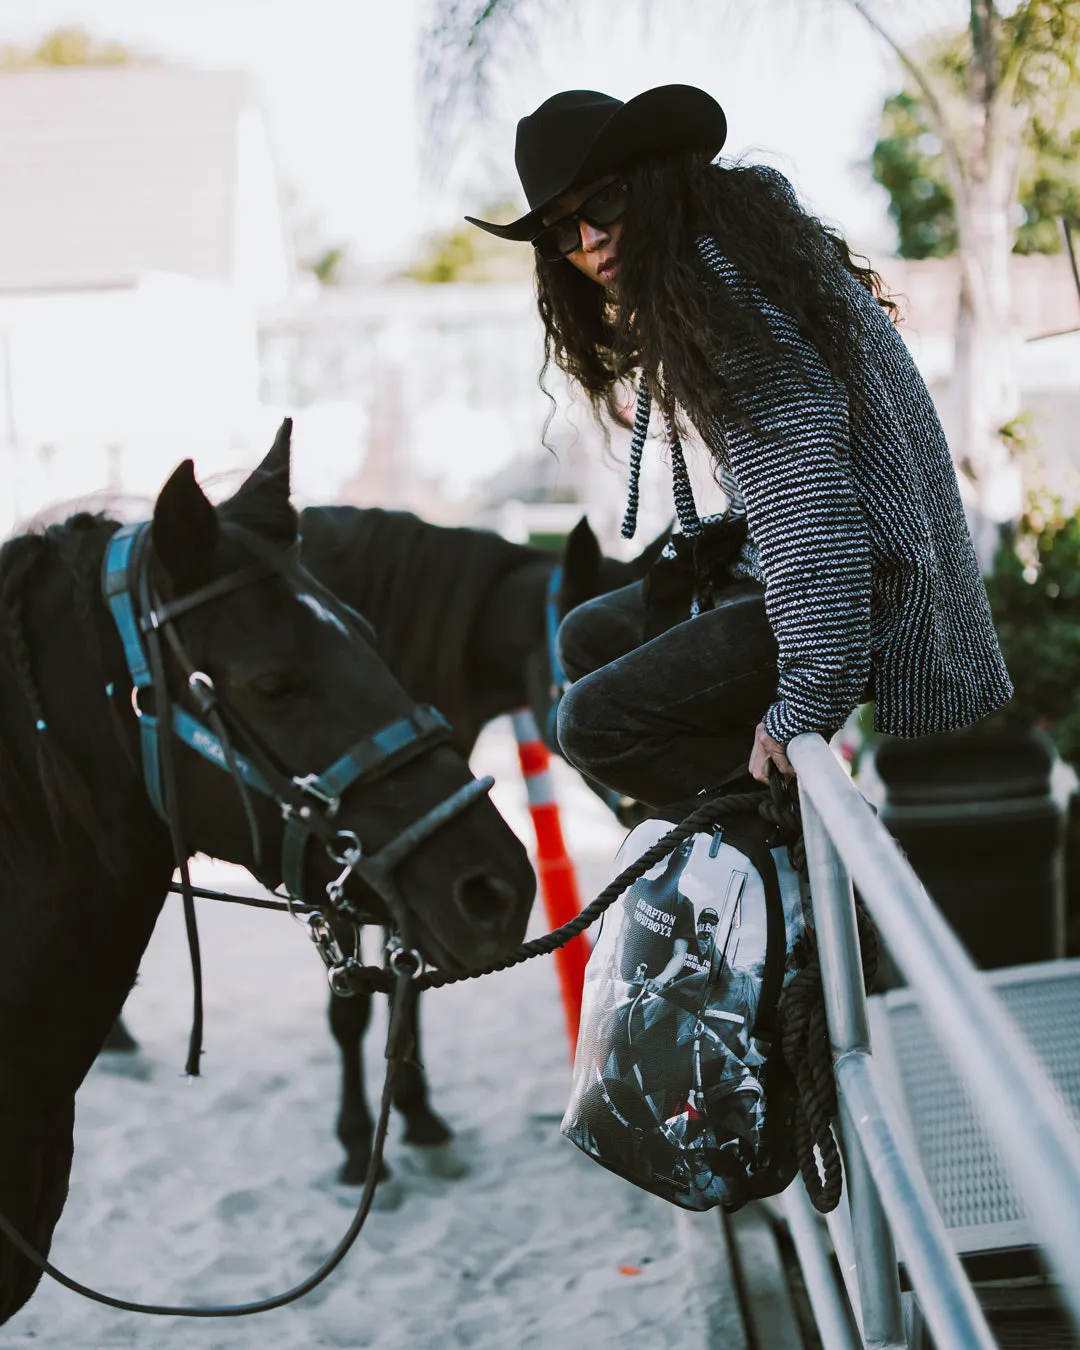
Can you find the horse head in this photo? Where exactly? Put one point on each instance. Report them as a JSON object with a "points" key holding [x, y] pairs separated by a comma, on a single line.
{"points": [[291, 683], [586, 572]]}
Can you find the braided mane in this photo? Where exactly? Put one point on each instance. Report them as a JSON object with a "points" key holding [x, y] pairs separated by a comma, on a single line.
{"points": [[41, 793]]}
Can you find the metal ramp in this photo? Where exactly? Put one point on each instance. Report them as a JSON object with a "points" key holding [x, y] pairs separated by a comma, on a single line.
{"points": [[985, 1218], [971, 1185], [919, 1073]]}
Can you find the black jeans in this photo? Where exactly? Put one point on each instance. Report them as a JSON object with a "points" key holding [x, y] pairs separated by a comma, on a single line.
{"points": [[664, 720]]}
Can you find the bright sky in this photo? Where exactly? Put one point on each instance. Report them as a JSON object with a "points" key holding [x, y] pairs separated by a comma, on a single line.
{"points": [[337, 80]]}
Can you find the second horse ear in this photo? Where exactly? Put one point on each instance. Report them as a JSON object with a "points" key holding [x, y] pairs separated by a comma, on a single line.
{"points": [[262, 502], [185, 529], [580, 567]]}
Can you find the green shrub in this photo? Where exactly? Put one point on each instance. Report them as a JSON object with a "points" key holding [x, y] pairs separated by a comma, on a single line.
{"points": [[1034, 592]]}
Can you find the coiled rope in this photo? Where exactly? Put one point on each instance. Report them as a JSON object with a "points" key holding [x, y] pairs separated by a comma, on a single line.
{"points": [[804, 1036]]}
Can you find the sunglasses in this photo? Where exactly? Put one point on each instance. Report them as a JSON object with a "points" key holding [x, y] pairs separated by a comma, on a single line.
{"points": [[604, 207]]}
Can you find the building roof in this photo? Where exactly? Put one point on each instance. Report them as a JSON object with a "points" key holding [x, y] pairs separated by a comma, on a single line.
{"points": [[109, 172]]}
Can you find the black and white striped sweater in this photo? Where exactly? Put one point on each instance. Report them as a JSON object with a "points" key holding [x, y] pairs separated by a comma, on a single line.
{"points": [[859, 533]]}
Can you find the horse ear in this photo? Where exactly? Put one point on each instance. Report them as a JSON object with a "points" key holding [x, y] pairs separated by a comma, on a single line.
{"points": [[261, 503], [580, 567], [639, 566], [185, 529]]}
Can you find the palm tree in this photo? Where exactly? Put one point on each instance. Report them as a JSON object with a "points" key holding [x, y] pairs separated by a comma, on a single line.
{"points": [[983, 94], [1007, 71]]}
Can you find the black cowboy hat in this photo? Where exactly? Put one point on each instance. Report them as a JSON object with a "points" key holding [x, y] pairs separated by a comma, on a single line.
{"points": [[579, 135]]}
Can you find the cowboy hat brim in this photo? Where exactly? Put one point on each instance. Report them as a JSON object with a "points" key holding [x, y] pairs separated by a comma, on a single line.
{"points": [[670, 117]]}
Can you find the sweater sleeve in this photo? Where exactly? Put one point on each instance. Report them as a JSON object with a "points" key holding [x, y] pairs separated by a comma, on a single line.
{"points": [[792, 464]]}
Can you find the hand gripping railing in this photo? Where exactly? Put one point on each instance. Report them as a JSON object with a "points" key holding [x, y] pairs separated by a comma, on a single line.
{"points": [[888, 1195]]}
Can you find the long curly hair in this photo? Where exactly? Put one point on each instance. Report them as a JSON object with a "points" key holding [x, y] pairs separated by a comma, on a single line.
{"points": [[674, 320]]}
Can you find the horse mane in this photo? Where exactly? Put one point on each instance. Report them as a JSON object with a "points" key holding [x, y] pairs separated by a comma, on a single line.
{"points": [[39, 786], [424, 586]]}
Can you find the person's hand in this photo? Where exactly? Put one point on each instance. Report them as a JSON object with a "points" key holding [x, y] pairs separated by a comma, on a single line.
{"points": [[766, 749], [654, 985]]}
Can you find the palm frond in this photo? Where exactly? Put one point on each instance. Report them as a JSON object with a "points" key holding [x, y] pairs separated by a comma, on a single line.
{"points": [[460, 49]]}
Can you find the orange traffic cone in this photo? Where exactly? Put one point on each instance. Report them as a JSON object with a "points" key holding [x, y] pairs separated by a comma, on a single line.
{"points": [[558, 881]]}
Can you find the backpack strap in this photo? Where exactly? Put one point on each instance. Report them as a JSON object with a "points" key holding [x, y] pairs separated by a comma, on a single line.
{"points": [[748, 835]]}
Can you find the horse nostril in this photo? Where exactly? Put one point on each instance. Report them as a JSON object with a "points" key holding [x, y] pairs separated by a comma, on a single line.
{"points": [[483, 899]]}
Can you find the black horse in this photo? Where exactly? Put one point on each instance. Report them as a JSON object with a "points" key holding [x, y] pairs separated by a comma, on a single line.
{"points": [[84, 858], [463, 620]]}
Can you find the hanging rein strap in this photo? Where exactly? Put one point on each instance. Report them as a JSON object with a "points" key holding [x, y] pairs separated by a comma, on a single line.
{"points": [[403, 978], [399, 1049]]}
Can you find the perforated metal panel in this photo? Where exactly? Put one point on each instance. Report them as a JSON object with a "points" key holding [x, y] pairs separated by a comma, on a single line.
{"points": [[971, 1185], [1033, 1333]]}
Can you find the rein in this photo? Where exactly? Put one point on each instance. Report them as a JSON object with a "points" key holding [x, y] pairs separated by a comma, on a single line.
{"points": [[403, 976], [398, 1050], [308, 805]]}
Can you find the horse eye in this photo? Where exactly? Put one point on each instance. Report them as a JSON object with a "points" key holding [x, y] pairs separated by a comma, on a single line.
{"points": [[274, 684]]}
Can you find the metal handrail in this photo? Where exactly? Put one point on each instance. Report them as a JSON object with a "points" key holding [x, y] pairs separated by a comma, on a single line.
{"points": [[1036, 1138]]}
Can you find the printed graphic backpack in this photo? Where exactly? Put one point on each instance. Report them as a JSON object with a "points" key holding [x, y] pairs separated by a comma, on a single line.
{"points": [[679, 1085]]}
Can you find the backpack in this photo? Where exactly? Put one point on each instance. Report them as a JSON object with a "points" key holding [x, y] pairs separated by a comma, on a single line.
{"points": [[679, 1084]]}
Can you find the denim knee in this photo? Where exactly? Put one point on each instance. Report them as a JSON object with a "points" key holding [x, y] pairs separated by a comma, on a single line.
{"points": [[576, 724], [573, 645]]}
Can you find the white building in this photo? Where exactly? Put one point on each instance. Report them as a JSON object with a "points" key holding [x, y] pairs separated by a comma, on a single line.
{"points": [[1046, 316], [140, 232], [457, 425], [450, 421]]}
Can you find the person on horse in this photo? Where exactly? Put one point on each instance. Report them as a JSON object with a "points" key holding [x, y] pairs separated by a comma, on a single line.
{"points": [[699, 958], [849, 572], [657, 928]]}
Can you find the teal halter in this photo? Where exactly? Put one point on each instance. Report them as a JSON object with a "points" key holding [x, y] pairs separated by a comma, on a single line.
{"points": [[308, 803]]}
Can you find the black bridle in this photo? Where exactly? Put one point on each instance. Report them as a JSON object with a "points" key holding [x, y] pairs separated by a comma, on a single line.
{"points": [[309, 802]]}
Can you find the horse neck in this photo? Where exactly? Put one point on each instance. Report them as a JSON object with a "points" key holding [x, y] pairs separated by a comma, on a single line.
{"points": [[71, 940], [457, 610], [509, 628], [84, 863]]}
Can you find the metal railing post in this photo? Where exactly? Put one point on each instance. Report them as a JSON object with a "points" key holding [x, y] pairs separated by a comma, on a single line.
{"points": [[945, 1295], [832, 1313], [882, 1319], [1020, 1108]]}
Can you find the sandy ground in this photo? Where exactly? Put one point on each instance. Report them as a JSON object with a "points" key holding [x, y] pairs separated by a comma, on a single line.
{"points": [[224, 1189]]}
